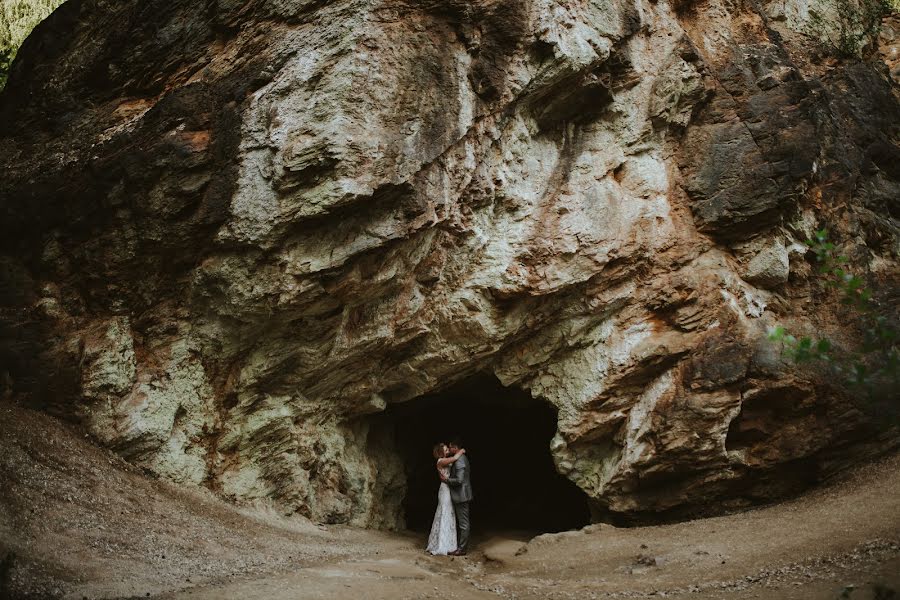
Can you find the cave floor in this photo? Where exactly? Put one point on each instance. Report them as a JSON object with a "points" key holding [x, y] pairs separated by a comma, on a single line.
{"points": [[82, 523]]}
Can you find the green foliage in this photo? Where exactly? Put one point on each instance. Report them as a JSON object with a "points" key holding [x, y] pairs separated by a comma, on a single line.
{"points": [[848, 26], [876, 361], [17, 19]]}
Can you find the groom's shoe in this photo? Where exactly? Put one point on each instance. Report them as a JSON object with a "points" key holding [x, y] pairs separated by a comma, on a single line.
{"points": [[457, 552]]}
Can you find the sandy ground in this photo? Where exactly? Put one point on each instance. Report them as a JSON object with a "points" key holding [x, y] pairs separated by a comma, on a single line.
{"points": [[78, 522]]}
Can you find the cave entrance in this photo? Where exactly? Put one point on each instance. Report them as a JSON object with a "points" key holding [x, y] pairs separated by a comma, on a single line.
{"points": [[507, 436]]}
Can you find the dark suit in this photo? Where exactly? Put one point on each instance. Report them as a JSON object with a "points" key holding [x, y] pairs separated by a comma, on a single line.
{"points": [[461, 493]]}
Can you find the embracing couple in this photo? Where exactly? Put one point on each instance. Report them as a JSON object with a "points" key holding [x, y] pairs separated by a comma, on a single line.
{"points": [[450, 528]]}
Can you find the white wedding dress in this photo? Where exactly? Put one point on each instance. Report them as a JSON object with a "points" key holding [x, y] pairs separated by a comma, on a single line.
{"points": [[442, 538]]}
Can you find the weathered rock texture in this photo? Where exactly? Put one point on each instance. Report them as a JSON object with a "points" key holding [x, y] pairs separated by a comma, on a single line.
{"points": [[234, 230]]}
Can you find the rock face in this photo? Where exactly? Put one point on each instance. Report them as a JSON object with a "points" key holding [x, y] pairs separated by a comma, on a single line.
{"points": [[232, 232]]}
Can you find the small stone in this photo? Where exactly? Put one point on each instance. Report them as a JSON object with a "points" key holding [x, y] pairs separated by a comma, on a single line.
{"points": [[770, 267]]}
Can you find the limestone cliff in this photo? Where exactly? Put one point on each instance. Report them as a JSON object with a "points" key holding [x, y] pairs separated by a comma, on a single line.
{"points": [[233, 231]]}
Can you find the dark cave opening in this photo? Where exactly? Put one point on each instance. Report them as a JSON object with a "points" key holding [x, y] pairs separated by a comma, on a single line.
{"points": [[507, 436]]}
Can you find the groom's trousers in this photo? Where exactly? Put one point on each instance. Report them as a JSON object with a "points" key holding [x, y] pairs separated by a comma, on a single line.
{"points": [[463, 525]]}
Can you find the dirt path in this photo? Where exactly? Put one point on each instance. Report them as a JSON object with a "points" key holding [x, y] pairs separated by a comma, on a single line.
{"points": [[82, 523]]}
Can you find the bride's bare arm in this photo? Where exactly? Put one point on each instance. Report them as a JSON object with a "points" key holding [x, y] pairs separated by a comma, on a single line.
{"points": [[451, 459]]}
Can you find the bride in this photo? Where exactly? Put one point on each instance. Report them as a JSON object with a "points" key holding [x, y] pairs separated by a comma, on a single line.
{"points": [[442, 538]]}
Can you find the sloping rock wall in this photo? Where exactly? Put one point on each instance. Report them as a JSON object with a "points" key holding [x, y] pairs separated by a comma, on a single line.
{"points": [[232, 231]]}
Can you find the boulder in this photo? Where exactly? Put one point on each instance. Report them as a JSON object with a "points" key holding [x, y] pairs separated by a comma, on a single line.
{"points": [[233, 235]]}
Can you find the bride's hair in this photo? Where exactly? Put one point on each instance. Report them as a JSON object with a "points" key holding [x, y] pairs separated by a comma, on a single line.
{"points": [[438, 450]]}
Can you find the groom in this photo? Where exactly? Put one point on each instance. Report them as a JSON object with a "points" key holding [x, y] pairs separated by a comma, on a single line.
{"points": [[461, 494]]}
